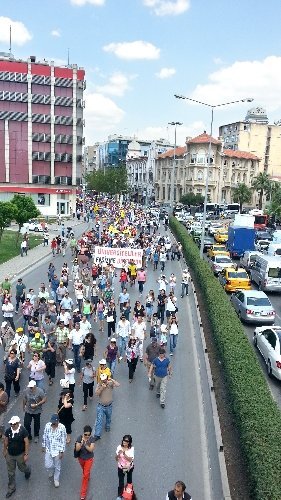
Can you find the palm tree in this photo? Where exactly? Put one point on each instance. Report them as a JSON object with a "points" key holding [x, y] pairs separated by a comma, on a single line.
{"points": [[262, 184], [242, 194]]}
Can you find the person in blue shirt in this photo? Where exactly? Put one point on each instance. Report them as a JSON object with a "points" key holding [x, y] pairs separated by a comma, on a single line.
{"points": [[162, 369]]}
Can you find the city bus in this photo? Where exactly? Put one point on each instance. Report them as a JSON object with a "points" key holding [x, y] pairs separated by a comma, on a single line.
{"points": [[233, 208], [260, 221]]}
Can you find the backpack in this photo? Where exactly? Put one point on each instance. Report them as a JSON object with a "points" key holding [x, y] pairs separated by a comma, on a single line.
{"points": [[128, 492]]}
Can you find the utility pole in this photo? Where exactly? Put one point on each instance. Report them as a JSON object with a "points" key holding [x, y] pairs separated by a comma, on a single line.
{"points": [[172, 192]]}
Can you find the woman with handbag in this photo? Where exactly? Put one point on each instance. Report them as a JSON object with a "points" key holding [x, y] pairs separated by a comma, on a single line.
{"points": [[125, 461], [12, 373], [84, 451]]}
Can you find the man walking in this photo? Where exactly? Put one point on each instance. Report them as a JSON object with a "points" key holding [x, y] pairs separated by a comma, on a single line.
{"points": [[139, 332], [15, 451], [123, 333], [104, 391], [75, 341], [53, 445], [185, 282], [33, 400], [178, 493], [162, 368], [151, 352], [20, 293]]}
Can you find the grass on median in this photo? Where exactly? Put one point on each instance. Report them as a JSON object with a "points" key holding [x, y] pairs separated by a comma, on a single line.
{"points": [[9, 247]]}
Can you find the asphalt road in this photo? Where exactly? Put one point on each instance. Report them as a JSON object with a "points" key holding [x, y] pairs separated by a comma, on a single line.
{"points": [[177, 442]]}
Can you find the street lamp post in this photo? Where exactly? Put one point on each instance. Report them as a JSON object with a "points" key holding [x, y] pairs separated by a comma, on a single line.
{"points": [[212, 106], [172, 193]]}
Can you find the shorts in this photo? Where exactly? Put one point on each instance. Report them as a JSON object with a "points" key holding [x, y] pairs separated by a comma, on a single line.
{"points": [[100, 315]]}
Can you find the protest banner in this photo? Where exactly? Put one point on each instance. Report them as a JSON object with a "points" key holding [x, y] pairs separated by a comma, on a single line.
{"points": [[118, 256]]}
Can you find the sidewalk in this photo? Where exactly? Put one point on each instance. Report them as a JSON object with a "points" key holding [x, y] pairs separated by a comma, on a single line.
{"points": [[13, 268]]}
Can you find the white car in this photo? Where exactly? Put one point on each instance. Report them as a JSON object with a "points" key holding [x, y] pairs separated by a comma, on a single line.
{"points": [[34, 226], [220, 262], [267, 339], [213, 228]]}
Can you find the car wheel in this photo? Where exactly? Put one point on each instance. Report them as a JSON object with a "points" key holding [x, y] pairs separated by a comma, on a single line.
{"points": [[269, 369], [255, 341]]}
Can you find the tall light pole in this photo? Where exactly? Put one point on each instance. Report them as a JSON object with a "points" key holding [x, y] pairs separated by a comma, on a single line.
{"points": [[172, 193], [212, 106]]}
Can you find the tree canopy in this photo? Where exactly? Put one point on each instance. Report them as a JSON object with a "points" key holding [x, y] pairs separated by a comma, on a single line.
{"points": [[7, 214], [113, 180], [192, 199], [262, 184], [25, 209], [242, 194]]}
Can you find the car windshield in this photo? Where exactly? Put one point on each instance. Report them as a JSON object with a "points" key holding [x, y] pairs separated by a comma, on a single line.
{"points": [[238, 275], [220, 248], [274, 272], [258, 301], [223, 260]]}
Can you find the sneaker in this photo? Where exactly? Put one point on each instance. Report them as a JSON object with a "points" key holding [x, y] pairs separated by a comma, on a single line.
{"points": [[171, 353], [158, 395], [96, 438], [56, 483], [107, 430], [50, 475], [120, 358], [151, 387], [36, 439], [84, 408], [162, 405], [27, 474]]}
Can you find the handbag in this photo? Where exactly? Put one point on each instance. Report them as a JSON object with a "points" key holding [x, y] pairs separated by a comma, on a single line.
{"points": [[76, 453]]}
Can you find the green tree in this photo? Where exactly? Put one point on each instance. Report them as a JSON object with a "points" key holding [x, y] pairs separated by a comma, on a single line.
{"points": [[25, 209], [262, 185], [7, 214], [192, 199], [274, 207], [112, 181], [242, 194]]}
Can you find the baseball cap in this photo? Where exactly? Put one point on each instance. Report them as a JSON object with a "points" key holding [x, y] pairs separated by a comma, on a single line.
{"points": [[102, 362], [54, 419], [69, 361], [4, 323], [113, 340], [75, 310], [103, 376], [14, 420], [19, 329], [32, 383]]}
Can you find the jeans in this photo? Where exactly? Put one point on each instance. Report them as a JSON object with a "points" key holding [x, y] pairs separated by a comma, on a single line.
{"points": [[122, 345], [173, 342], [40, 383], [121, 477], [12, 461], [155, 265], [86, 466], [141, 283], [87, 391], [103, 411], [11, 321], [161, 386], [162, 265], [53, 463], [27, 423], [132, 367], [112, 366], [184, 288], [77, 358], [161, 313]]}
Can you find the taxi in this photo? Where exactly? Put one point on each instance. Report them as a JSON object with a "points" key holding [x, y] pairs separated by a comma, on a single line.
{"points": [[221, 237], [235, 279], [217, 249]]}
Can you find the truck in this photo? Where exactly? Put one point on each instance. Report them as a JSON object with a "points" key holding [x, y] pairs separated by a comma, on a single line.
{"points": [[240, 239]]}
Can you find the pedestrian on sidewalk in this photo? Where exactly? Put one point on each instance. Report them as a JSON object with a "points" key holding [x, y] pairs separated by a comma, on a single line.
{"points": [[15, 451], [104, 391], [88, 348], [49, 357], [162, 299], [124, 457], [69, 374], [178, 493], [37, 369], [103, 369], [132, 356], [23, 248], [54, 246], [174, 334], [8, 312], [61, 334], [161, 367], [33, 400], [139, 332], [155, 260], [53, 445], [21, 342], [7, 338], [87, 377], [84, 449], [141, 277], [75, 339], [151, 352], [111, 319]]}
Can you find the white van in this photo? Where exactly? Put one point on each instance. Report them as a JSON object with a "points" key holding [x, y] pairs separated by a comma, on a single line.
{"points": [[249, 258], [265, 271], [274, 249]]}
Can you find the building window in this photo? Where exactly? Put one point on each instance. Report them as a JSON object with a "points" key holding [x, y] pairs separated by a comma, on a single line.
{"points": [[43, 199], [163, 193], [200, 175]]}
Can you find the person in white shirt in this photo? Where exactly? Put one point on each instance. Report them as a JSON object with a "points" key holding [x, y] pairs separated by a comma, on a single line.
{"points": [[162, 259], [75, 341], [174, 332], [185, 282], [123, 333], [162, 283], [85, 326], [172, 282], [21, 340], [69, 374], [139, 332], [65, 316]]}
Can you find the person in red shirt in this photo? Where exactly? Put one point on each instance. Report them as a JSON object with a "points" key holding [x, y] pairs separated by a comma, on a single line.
{"points": [[123, 279], [54, 246]]}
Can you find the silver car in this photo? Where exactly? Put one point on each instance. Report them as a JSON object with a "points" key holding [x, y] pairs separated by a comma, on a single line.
{"points": [[220, 262], [253, 306]]}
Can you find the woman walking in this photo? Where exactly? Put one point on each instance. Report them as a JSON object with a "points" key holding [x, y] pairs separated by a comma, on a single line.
{"points": [[12, 373], [111, 319], [87, 376], [174, 332], [132, 356], [65, 412], [149, 303], [84, 450], [100, 311], [88, 347], [110, 355], [125, 461]]}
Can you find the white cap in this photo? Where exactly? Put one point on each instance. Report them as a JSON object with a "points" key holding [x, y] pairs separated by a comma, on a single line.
{"points": [[4, 323], [32, 383], [102, 362], [69, 361], [113, 339], [103, 376], [14, 420]]}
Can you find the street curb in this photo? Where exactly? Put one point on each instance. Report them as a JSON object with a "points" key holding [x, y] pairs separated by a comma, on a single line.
{"points": [[220, 447]]}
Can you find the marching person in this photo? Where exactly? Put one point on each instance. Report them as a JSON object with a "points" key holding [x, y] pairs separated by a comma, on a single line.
{"points": [[162, 369], [125, 461], [132, 355], [123, 333], [12, 373], [151, 352], [15, 451], [33, 400], [87, 377], [65, 412], [104, 391], [139, 332], [3, 408], [178, 493], [111, 354], [84, 449], [53, 445], [185, 282]]}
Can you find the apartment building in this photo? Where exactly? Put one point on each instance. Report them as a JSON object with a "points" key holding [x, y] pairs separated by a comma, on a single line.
{"points": [[41, 132]]}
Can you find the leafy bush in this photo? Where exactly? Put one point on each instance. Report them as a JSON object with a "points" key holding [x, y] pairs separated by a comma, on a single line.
{"points": [[256, 414]]}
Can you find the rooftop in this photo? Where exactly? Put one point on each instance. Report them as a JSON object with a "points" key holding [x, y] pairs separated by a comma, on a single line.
{"points": [[240, 154], [203, 139], [170, 153]]}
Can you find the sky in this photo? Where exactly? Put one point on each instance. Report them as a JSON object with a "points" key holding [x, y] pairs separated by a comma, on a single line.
{"points": [[138, 53]]}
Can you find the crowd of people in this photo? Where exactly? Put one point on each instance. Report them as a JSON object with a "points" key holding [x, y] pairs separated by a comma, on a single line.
{"points": [[77, 307]]}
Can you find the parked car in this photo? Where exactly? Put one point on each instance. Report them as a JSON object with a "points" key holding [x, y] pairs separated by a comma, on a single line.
{"points": [[234, 279], [253, 306], [35, 226], [220, 262], [268, 342], [263, 235]]}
